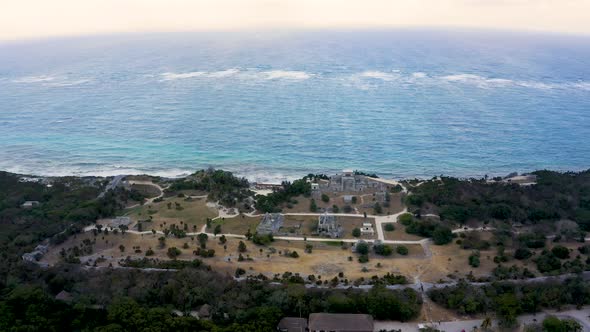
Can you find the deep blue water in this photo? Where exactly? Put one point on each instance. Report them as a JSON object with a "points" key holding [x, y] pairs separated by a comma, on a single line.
{"points": [[273, 105]]}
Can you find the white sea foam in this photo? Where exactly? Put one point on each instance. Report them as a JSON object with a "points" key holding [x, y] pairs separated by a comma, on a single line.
{"points": [[176, 76], [286, 74], [379, 75], [34, 79], [419, 75], [66, 83]]}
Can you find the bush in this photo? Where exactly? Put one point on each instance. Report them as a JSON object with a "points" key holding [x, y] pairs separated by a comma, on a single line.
{"points": [[522, 253], [383, 249], [362, 248], [363, 258], [561, 252], [262, 239], [313, 207], [442, 235], [173, 252], [389, 227], [325, 198], [474, 259], [402, 250], [356, 232]]}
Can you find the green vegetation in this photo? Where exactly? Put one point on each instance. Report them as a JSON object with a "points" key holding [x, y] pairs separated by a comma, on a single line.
{"points": [[510, 299], [402, 250], [325, 198], [262, 239], [555, 196], [389, 227], [221, 186], [554, 324], [383, 249], [272, 201], [356, 232]]}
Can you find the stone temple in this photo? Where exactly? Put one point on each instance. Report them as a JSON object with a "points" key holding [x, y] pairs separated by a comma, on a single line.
{"points": [[327, 226], [270, 223]]}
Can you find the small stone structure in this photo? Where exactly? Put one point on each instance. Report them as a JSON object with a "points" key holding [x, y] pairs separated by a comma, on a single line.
{"points": [[118, 222], [270, 223], [348, 181], [327, 226], [367, 229], [36, 254]]}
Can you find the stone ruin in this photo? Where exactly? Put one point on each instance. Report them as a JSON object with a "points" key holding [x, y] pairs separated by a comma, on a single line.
{"points": [[327, 226], [270, 223]]}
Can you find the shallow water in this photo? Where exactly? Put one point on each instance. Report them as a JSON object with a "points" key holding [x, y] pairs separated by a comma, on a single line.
{"points": [[271, 106]]}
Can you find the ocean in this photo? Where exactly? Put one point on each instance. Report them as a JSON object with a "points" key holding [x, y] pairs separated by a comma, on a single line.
{"points": [[276, 105]]}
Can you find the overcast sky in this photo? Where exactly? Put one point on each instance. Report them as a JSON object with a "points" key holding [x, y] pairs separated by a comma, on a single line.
{"points": [[41, 18]]}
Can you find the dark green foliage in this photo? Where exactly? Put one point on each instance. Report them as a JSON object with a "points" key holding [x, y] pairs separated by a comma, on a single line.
{"points": [[356, 232], [507, 299], [532, 240], [547, 262], [313, 207], [474, 259], [522, 253], [272, 201], [325, 198], [362, 248], [389, 227], [221, 185], [402, 250], [262, 239], [363, 258], [383, 249], [554, 324], [405, 219], [442, 235], [560, 252], [173, 252], [556, 195]]}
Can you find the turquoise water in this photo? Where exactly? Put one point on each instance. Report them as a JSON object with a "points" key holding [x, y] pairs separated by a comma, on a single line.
{"points": [[276, 105]]}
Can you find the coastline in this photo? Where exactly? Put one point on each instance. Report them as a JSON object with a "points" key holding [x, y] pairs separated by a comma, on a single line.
{"points": [[263, 177]]}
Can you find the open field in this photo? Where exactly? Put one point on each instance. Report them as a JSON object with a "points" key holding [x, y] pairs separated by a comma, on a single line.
{"points": [[303, 203], [399, 234], [194, 212]]}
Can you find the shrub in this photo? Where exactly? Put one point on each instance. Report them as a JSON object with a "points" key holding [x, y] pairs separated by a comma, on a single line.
{"points": [[362, 248], [383, 249], [522, 253], [149, 252], [561, 252], [405, 219], [356, 232], [389, 227], [402, 250], [363, 258], [325, 198], [173, 252], [474, 259], [242, 246], [442, 235]]}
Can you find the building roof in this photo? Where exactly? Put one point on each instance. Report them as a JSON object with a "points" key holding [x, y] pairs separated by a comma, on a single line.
{"points": [[64, 296], [340, 322], [292, 324]]}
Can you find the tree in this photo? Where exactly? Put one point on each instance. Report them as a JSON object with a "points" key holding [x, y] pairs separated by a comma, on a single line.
{"points": [[356, 232], [242, 246], [217, 230], [383, 249], [222, 239], [325, 198], [442, 235], [162, 242], [561, 252], [122, 248], [202, 238], [507, 308], [313, 206], [362, 247], [173, 252], [377, 208], [554, 324], [389, 227], [402, 250]]}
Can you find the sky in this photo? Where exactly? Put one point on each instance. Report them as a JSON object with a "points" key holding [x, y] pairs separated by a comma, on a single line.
{"points": [[23, 19]]}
